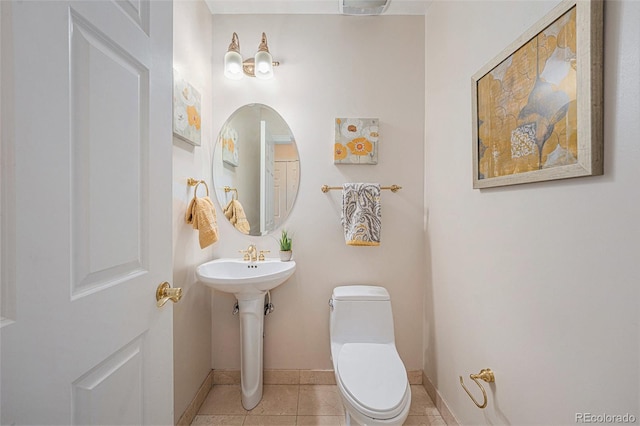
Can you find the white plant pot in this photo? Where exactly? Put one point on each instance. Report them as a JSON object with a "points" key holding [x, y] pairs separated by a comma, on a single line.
{"points": [[285, 256]]}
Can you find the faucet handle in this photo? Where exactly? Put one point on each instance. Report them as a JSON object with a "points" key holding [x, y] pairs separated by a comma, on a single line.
{"points": [[246, 254], [262, 252]]}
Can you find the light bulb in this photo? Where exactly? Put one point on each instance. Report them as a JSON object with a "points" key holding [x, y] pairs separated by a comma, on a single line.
{"points": [[264, 65], [233, 65]]}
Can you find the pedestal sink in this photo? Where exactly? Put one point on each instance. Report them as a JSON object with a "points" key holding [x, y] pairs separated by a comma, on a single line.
{"points": [[249, 282]]}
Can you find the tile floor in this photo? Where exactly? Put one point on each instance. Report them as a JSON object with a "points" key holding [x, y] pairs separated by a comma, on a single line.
{"points": [[298, 405]]}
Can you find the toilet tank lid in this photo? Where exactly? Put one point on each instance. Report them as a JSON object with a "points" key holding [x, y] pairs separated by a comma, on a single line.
{"points": [[360, 292]]}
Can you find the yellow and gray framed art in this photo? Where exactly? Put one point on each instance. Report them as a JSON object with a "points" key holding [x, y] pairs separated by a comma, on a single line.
{"points": [[537, 106], [187, 107]]}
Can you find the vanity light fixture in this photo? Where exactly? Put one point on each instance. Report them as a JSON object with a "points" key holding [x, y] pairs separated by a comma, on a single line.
{"points": [[260, 66]]}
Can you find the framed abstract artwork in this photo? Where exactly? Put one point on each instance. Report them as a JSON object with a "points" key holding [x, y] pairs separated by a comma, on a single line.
{"points": [[356, 141], [186, 111], [537, 106], [229, 137]]}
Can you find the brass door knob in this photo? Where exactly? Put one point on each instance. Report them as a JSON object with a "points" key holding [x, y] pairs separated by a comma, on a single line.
{"points": [[164, 293]]}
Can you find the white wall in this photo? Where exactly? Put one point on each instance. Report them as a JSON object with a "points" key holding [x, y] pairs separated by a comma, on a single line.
{"points": [[332, 66], [540, 281], [7, 172], [192, 315]]}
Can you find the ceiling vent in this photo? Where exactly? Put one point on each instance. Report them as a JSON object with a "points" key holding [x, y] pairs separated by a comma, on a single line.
{"points": [[363, 7]]}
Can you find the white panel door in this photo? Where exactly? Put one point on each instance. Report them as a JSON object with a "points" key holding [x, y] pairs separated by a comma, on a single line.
{"points": [[286, 181], [92, 128], [293, 181], [279, 190]]}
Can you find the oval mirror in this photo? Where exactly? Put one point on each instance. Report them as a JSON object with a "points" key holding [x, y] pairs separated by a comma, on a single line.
{"points": [[256, 169]]}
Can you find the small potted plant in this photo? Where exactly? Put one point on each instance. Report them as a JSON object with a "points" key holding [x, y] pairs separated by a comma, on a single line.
{"points": [[285, 247]]}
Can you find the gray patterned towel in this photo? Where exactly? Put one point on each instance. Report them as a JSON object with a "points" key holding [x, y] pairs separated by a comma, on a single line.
{"points": [[361, 216]]}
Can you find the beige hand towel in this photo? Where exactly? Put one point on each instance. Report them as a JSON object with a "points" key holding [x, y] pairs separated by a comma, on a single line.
{"points": [[201, 214], [361, 215], [235, 213]]}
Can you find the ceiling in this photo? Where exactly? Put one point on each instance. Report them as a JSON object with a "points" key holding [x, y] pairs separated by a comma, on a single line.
{"points": [[325, 7]]}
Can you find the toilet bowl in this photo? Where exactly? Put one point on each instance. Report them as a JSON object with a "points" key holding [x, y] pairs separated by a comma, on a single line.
{"points": [[370, 375]]}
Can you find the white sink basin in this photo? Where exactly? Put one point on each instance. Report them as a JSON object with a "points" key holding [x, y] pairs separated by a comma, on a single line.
{"points": [[242, 277]]}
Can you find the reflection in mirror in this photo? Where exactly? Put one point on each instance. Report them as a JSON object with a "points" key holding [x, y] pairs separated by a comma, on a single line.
{"points": [[256, 169]]}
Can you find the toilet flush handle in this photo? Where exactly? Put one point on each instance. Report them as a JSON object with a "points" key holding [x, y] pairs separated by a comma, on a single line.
{"points": [[331, 304]]}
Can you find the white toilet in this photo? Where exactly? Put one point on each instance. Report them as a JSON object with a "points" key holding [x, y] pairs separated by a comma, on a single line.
{"points": [[370, 375]]}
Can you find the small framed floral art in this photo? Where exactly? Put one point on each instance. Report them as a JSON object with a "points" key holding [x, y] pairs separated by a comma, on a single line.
{"points": [[356, 141], [230, 147], [186, 111]]}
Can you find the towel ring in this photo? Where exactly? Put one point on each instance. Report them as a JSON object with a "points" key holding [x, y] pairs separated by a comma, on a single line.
{"points": [[485, 374], [234, 196], [195, 191], [196, 183]]}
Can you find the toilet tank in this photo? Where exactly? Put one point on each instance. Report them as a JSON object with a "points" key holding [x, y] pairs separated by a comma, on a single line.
{"points": [[361, 314]]}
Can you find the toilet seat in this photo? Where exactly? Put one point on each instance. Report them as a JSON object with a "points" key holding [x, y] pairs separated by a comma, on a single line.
{"points": [[374, 378]]}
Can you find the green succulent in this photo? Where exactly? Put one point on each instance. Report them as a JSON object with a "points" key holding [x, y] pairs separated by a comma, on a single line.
{"points": [[285, 241]]}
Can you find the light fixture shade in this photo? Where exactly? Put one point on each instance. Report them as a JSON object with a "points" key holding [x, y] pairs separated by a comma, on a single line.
{"points": [[233, 65], [233, 60], [263, 60], [263, 65]]}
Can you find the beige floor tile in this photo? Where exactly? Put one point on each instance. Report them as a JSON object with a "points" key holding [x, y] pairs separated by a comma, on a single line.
{"points": [[226, 377], [415, 377], [210, 420], [277, 400], [319, 400], [313, 404], [321, 420], [421, 404], [223, 399], [270, 420], [425, 421], [438, 421]]}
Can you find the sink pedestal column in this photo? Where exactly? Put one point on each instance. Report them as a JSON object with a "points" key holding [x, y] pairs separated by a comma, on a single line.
{"points": [[251, 342]]}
